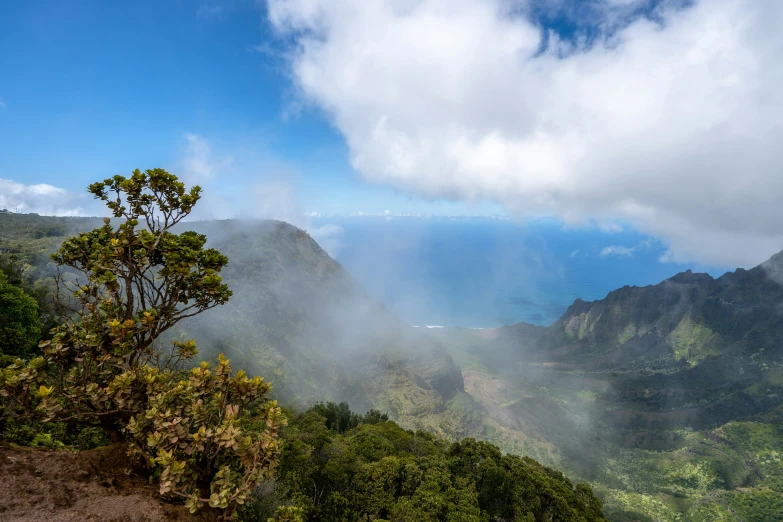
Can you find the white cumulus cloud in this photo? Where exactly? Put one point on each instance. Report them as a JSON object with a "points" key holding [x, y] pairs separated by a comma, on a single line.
{"points": [[40, 198], [672, 125], [615, 250]]}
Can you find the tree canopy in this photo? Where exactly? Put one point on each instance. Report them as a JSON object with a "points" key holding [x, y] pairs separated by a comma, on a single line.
{"points": [[376, 470]]}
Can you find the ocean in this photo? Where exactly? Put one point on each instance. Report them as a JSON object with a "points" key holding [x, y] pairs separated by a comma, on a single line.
{"points": [[483, 272]]}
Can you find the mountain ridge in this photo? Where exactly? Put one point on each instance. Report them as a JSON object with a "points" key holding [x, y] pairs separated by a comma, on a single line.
{"points": [[666, 397], [296, 317], [299, 317], [678, 318]]}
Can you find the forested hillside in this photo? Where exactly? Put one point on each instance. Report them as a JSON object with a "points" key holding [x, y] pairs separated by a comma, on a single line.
{"points": [[298, 317], [666, 398], [300, 320], [338, 465]]}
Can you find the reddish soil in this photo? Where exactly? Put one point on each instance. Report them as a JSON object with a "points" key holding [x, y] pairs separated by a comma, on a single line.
{"points": [[45, 485]]}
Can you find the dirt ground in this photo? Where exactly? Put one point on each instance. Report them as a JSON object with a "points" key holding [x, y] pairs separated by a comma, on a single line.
{"points": [[44, 485]]}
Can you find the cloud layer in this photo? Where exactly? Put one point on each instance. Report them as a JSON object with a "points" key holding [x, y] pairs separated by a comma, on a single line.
{"points": [[40, 199], [670, 121], [198, 165]]}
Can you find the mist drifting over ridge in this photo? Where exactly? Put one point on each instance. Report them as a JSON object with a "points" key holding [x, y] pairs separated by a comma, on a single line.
{"points": [[672, 374]]}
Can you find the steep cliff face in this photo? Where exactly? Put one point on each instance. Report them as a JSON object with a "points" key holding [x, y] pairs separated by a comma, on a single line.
{"points": [[299, 319], [690, 352], [683, 321]]}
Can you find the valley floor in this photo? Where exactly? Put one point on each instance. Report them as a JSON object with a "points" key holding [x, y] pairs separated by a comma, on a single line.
{"points": [[731, 473]]}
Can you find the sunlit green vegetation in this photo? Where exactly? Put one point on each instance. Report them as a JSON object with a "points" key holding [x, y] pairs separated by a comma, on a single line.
{"points": [[209, 434], [337, 465], [670, 412]]}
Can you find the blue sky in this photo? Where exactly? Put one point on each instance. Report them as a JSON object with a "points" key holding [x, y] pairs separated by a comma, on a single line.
{"points": [[660, 117], [93, 88], [102, 87]]}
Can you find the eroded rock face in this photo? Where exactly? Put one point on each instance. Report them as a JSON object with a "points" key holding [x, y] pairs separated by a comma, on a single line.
{"points": [[689, 317], [89, 485]]}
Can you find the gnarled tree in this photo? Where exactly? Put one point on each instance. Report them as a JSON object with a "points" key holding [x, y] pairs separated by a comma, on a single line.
{"points": [[103, 366], [131, 284]]}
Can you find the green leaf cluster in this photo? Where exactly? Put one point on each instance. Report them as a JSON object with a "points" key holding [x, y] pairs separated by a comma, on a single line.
{"points": [[20, 324], [340, 418], [209, 434]]}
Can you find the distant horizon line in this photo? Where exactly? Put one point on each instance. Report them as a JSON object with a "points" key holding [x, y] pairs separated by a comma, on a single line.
{"points": [[316, 215]]}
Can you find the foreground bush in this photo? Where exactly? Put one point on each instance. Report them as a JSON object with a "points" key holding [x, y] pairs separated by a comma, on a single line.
{"points": [[194, 436]]}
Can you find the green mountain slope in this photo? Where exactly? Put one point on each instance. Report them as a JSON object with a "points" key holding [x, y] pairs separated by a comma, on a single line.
{"points": [[300, 319], [669, 398]]}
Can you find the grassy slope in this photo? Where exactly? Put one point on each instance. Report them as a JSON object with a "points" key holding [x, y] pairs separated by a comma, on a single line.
{"points": [[663, 472], [299, 317]]}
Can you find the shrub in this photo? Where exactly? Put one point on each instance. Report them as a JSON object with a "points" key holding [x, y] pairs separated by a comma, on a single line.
{"points": [[379, 471], [198, 435]]}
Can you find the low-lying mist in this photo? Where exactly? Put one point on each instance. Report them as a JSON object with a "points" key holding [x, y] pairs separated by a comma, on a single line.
{"points": [[299, 319]]}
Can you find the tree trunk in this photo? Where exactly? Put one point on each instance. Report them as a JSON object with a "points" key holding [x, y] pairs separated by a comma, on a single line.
{"points": [[112, 431]]}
